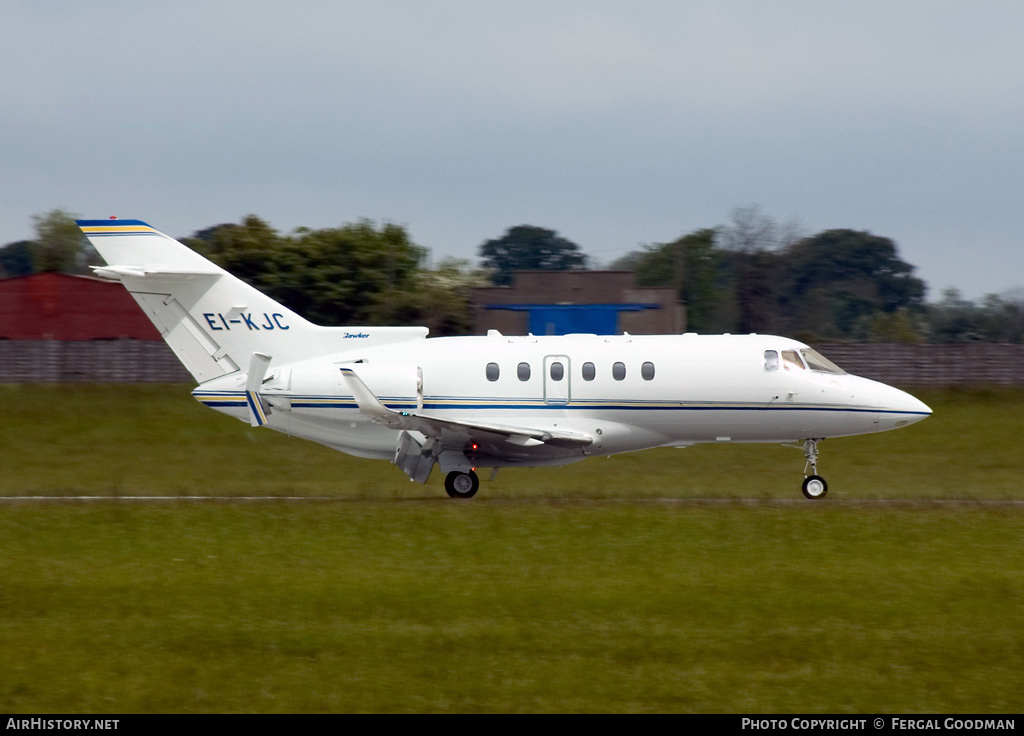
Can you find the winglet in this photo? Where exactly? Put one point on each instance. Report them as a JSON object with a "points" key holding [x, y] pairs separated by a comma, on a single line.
{"points": [[368, 403]]}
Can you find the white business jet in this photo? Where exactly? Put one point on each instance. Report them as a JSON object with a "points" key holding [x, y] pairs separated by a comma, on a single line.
{"points": [[463, 403]]}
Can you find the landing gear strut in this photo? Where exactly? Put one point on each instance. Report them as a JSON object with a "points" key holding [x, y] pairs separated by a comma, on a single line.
{"points": [[461, 485], [814, 486]]}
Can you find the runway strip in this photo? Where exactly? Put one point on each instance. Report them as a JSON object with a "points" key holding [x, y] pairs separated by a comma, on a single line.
{"points": [[696, 502]]}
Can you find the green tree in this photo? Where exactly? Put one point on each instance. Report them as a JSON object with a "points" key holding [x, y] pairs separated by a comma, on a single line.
{"points": [[953, 318], [901, 325], [694, 266], [249, 250], [754, 242], [752, 231], [838, 281], [353, 274], [350, 271], [17, 259], [754, 281], [439, 299], [1003, 317], [256, 253], [526, 247], [60, 245], [998, 318]]}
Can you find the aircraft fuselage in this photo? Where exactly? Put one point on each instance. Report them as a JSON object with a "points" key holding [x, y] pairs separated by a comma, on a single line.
{"points": [[623, 392]]}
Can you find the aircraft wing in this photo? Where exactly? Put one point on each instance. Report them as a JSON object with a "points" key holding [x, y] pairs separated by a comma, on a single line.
{"points": [[457, 433]]}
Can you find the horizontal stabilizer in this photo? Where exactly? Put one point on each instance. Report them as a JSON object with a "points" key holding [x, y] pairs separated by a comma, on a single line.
{"points": [[119, 273]]}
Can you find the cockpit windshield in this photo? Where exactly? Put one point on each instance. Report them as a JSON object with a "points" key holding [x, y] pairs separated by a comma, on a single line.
{"points": [[818, 362], [791, 361]]}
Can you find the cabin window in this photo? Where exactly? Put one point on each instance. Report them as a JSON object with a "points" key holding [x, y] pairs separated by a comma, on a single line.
{"points": [[619, 371], [493, 372], [771, 360], [647, 371], [523, 371], [818, 362], [589, 372], [557, 371], [791, 360]]}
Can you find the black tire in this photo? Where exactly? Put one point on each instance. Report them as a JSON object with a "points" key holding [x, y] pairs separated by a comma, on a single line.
{"points": [[814, 487], [461, 485]]}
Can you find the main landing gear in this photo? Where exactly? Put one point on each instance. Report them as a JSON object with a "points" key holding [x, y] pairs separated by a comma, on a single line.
{"points": [[461, 485], [814, 486]]}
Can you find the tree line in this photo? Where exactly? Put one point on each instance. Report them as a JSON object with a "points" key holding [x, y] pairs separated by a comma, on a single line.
{"points": [[751, 275], [756, 275]]}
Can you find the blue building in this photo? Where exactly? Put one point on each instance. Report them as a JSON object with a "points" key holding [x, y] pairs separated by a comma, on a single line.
{"points": [[565, 302]]}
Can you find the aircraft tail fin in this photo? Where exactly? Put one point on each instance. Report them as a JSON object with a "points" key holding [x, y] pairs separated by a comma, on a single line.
{"points": [[212, 320]]}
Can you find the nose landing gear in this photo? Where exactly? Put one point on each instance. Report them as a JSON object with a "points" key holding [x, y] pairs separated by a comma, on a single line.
{"points": [[814, 486]]}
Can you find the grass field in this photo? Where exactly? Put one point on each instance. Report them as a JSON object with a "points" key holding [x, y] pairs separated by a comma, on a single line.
{"points": [[665, 581], [155, 440]]}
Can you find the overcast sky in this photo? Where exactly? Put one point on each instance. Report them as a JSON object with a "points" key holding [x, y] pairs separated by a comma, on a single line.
{"points": [[615, 123]]}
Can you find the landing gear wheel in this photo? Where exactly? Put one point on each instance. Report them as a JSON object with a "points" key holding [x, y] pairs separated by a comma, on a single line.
{"points": [[461, 485], [815, 487]]}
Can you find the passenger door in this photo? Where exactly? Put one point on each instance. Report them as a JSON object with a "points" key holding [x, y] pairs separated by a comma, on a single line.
{"points": [[556, 379]]}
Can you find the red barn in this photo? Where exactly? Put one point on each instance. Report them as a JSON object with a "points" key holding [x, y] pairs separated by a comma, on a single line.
{"points": [[55, 306]]}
